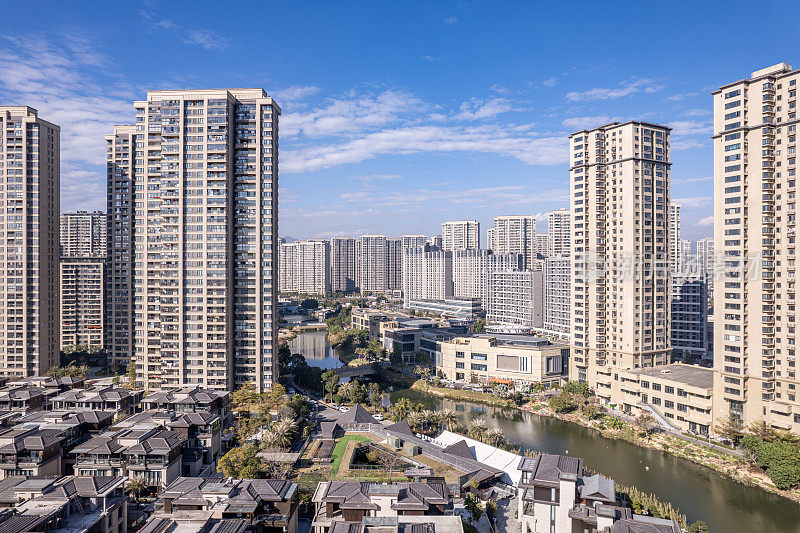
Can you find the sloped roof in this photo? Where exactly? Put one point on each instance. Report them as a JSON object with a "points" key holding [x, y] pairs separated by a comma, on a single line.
{"points": [[548, 468], [401, 427], [357, 415], [160, 441], [459, 449], [597, 487]]}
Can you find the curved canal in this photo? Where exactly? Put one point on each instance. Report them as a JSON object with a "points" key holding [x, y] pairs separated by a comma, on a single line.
{"points": [[700, 493]]}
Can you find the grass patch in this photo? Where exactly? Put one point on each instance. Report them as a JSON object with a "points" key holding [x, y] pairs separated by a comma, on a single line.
{"points": [[341, 446]]}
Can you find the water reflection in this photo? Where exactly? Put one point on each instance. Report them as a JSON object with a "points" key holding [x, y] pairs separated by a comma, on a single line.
{"points": [[313, 345]]}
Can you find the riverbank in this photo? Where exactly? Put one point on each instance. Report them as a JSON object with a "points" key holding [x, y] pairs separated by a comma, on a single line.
{"points": [[716, 459]]}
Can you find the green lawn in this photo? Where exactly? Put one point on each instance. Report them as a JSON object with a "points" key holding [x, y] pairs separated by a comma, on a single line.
{"points": [[338, 450]]}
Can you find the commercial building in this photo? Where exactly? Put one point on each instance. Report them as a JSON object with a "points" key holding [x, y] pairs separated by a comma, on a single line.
{"points": [[558, 227], [516, 297], [461, 235], [679, 396], [29, 303], [556, 493], [557, 289], [121, 168], [516, 360], [427, 274], [471, 269], [755, 184], [82, 303], [344, 261], [513, 235], [620, 197], [305, 267], [456, 308], [204, 237]]}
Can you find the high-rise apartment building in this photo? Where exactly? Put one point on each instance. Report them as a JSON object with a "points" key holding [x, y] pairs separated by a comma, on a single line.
{"points": [[675, 257], [84, 234], [515, 298], [514, 235], [344, 263], [471, 270], [620, 197], [558, 227], [121, 167], [542, 245], [427, 274], [687, 257], [82, 303], [305, 267], [689, 317], [705, 259], [755, 184], [461, 235], [204, 236], [394, 264], [557, 289], [373, 258], [29, 301]]}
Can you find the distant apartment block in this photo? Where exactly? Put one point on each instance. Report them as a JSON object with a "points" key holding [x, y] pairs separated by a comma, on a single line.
{"points": [[705, 257], [29, 301], [755, 227], [514, 235], [427, 274], [471, 269], [541, 245], [675, 255], [689, 317], [344, 261], [461, 235], [394, 264], [557, 289], [203, 233], [373, 258], [82, 303], [619, 186], [515, 298], [305, 267], [558, 227], [84, 234]]}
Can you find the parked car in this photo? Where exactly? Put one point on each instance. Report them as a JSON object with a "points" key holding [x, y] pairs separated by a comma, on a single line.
{"points": [[378, 416], [344, 409]]}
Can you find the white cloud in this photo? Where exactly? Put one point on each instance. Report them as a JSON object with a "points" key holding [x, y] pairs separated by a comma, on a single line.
{"points": [[477, 108], [686, 144], [700, 112], [690, 127], [580, 123], [295, 93], [550, 82], [693, 201], [377, 177], [208, 39], [705, 222], [627, 88], [450, 20], [693, 180], [679, 97]]}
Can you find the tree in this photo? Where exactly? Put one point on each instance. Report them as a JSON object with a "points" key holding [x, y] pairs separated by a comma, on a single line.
{"points": [[581, 388], [644, 421], [357, 393], [243, 397], [477, 429], [309, 303], [491, 509], [761, 430], [396, 359], [479, 326], [331, 380], [275, 395], [473, 508], [401, 409], [495, 437], [241, 462], [562, 402], [730, 429], [375, 395], [136, 484], [448, 418], [131, 376], [698, 527], [281, 434]]}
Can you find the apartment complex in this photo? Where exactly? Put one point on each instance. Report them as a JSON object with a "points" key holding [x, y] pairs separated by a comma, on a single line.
{"points": [[689, 317], [203, 228], [755, 360], [82, 303], [620, 197], [461, 235], [541, 245], [513, 235], [344, 277], [427, 274], [515, 298], [29, 303], [675, 249], [515, 360], [121, 167], [557, 280], [305, 267], [558, 227], [471, 269], [84, 234], [373, 259]]}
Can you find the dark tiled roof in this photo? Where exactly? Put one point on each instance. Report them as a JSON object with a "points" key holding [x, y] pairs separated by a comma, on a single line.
{"points": [[401, 427], [159, 442], [22, 523], [230, 526], [548, 468], [356, 415], [460, 449]]}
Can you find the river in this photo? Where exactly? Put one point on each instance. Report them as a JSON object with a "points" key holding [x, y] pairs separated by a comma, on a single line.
{"points": [[699, 493]]}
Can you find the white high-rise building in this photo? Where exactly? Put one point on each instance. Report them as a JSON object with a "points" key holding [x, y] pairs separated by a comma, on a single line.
{"points": [[343, 265], [29, 286], [515, 298], [427, 274], [394, 264], [373, 259], [461, 235], [687, 256], [705, 257], [620, 198], [557, 290], [205, 242], [542, 245], [755, 227], [675, 256], [305, 267], [471, 270], [84, 234], [558, 227], [514, 235]]}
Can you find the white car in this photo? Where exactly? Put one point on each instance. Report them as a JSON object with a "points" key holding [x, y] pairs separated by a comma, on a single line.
{"points": [[344, 409], [378, 417]]}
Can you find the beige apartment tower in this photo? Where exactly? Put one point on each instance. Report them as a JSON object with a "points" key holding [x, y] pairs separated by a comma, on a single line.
{"points": [[29, 242], [514, 235], [620, 198], [84, 234], [461, 235], [202, 169], [755, 232]]}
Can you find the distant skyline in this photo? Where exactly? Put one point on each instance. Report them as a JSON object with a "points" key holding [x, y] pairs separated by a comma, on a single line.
{"points": [[397, 117]]}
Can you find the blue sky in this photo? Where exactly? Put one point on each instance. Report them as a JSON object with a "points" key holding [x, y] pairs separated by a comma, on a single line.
{"points": [[399, 115]]}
